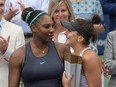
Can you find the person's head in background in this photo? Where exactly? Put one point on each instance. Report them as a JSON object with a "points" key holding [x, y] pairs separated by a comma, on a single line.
{"points": [[40, 23], [60, 10], [79, 33], [2, 2]]}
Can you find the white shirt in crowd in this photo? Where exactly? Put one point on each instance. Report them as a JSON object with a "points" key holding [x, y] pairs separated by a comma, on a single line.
{"points": [[36, 4]]}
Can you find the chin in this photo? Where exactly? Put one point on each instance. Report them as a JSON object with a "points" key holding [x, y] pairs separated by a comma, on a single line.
{"points": [[67, 44], [59, 23], [49, 40]]}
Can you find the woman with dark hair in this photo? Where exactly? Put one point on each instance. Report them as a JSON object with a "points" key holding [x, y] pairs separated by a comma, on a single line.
{"points": [[82, 32], [86, 9], [39, 62]]}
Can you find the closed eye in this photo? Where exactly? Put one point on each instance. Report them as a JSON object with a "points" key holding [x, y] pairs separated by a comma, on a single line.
{"points": [[47, 26], [1, 5]]}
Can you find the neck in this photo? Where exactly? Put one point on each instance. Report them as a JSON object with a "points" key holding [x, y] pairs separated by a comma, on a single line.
{"points": [[79, 48], [38, 47], [39, 44], [58, 29]]}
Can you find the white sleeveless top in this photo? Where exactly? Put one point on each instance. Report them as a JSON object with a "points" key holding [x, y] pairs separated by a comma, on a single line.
{"points": [[83, 81]]}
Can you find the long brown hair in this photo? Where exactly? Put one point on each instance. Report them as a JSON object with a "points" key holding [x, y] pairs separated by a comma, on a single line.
{"points": [[88, 25]]}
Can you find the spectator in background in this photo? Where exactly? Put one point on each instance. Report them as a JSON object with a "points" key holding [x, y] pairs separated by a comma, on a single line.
{"points": [[86, 9], [39, 62], [11, 38], [110, 57], [13, 11], [60, 10], [109, 8]]}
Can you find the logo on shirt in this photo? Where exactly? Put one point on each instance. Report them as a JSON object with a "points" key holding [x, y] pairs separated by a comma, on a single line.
{"points": [[42, 62]]}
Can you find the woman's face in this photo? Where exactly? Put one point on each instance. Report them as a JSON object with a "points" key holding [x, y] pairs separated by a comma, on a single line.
{"points": [[44, 30], [61, 13], [72, 37]]}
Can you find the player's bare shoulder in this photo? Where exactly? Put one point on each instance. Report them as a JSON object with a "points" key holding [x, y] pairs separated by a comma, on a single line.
{"points": [[18, 55], [90, 55]]}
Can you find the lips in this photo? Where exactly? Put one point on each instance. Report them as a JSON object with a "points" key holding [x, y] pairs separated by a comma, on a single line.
{"points": [[51, 36]]}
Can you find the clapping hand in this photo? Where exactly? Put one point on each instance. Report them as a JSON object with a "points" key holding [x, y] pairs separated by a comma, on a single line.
{"points": [[4, 44], [13, 11], [105, 69], [22, 6]]}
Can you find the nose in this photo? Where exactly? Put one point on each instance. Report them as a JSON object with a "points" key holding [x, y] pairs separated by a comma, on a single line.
{"points": [[0, 9], [66, 32], [60, 13], [52, 29]]}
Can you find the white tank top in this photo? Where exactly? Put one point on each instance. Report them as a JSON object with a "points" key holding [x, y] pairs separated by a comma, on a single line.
{"points": [[83, 81]]}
